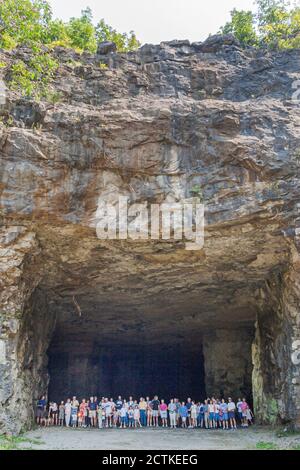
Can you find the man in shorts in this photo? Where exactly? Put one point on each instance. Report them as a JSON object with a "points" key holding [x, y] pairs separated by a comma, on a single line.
{"points": [[155, 406], [41, 409], [93, 412], [231, 413]]}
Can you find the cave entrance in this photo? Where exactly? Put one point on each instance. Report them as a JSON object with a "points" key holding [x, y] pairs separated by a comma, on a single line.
{"points": [[85, 369]]}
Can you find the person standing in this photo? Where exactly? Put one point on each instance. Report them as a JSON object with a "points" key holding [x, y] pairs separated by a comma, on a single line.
{"points": [[211, 414], [189, 406], [163, 411], [244, 408], [239, 410], [206, 414], [119, 404], [194, 415], [177, 403], [149, 412], [93, 412], [231, 413], [172, 413], [155, 407], [224, 413], [183, 413], [74, 415], [130, 417], [200, 417], [68, 407], [41, 407], [143, 410], [123, 415], [82, 413], [61, 413]]}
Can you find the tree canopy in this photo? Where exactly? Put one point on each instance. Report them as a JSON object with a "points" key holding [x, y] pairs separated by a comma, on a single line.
{"points": [[30, 22], [276, 24]]}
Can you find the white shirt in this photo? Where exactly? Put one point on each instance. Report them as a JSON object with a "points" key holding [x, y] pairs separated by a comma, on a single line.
{"points": [[68, 407], [231, 406]]}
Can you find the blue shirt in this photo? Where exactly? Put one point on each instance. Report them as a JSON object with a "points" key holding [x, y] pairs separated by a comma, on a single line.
{"points": [[41, 403], [183, 411]]}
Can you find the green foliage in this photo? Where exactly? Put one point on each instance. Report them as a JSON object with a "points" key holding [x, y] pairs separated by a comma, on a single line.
{"points": [[13, 442], [30, 22], [124, 42], [275, 25], [103, 66], [196, 191], [81, 32], [23, 22], [33, 78], [262, 445], [242, 26]]}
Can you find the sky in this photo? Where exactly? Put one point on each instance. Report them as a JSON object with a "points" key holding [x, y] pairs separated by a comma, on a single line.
{"points": [[155, 21]]}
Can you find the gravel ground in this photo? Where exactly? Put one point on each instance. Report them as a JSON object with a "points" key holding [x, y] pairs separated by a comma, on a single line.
{"points": [[166, 439]]}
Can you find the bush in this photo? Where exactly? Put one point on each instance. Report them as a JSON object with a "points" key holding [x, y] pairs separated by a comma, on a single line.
{"points": [[33, 78], [30, 22], [275, 25]]}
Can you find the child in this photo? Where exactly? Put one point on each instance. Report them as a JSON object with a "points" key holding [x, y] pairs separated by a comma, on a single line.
{"points": [[250, 415], [45, 417], [183, 413], [61, 415], [136, 416], [53, 413], [115, 417], [130, 417], [163, 410]]}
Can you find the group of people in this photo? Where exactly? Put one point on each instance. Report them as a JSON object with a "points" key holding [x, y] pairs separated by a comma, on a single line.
{"points": [[212, 413]]}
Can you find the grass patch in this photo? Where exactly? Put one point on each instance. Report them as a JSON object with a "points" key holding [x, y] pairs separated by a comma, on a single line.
{"points": [[262, 445], [287, 432], [13, 442]]}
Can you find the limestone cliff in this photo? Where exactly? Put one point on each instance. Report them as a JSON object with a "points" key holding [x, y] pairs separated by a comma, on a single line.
{"points": [[151, 126]]}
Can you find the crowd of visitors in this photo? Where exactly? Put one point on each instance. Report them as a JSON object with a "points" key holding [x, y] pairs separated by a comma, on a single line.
{"points": [[212, 413]]}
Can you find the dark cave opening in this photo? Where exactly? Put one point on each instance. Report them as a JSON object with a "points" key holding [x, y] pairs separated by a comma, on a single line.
{"points": [[128, 370]]}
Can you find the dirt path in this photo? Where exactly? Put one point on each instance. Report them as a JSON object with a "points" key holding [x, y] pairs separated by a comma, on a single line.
{"points": [[166, 439]]}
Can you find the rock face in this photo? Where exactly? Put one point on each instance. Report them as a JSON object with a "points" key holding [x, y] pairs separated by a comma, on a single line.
{"points": [[152, 126]]}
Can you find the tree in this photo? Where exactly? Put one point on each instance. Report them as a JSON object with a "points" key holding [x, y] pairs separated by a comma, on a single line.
{"points": [[30, 22], [275, 25], [24, 21], [124, 42], [81, 31], [242, 26]]}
